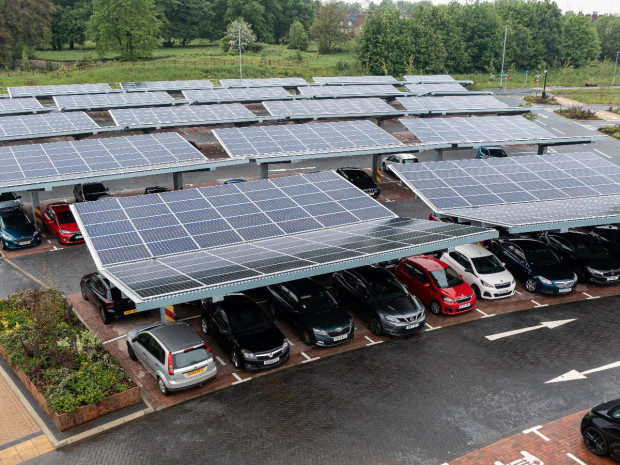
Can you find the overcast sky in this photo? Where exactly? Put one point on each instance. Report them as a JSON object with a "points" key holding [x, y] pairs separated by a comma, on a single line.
{"points": [[587, 6]]}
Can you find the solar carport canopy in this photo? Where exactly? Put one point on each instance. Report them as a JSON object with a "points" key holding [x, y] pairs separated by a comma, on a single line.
{"points": [[429, 78], [166, 85], [174, 247], [47, 125], [335, 107], [371, 90], [63, 89], [452, 103], [116, 100], [21, 105], [236, 94], [264, 82], [346, 80], [527, 193]]}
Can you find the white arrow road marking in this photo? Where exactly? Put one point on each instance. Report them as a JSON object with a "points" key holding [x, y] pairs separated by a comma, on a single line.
{"points": [[308, 359], [240, 379], [576, 459], [536, 432], [574, 374], [544, 324]]}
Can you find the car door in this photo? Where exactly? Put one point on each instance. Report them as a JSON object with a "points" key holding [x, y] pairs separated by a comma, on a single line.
{"points": [[345, 282], [280, 298], [362, 296], [98, 290], [520, 266], [293, 307], [463, 266], [417, 282], [50, 221], [613, 433], [142, 348], [222, 331]]}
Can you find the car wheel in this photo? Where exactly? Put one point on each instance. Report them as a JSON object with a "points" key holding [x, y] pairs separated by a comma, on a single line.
{"points": [[307, 338], [162, 386], [580, 275], [476, 290], [204, 325], [595, 441], [435, 307], [58, 239], [236, 361], [375, 326], [3, 245], [84, 295], [105, 316], [130, 352], [531, 285]]}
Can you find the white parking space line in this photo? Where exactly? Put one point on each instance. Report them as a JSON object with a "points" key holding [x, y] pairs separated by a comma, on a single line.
{"points": [[557, 130], [240, 379], [576, 459], [540, 122], [308, 358], [115, 339], [49, 242], [484, 315], [539, 305], [517, 292], [217, 357], [289, 342], [601, 153], [591, 296], [430, 328], [261, 302], [371, 342], [536, 432]]}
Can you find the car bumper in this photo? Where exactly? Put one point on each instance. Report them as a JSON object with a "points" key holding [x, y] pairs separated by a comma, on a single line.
{"points": [[457, 308], [328, 341], [205, 376], [71, 238], [603, 280], [402, 329], [256, 365], [494, 294], [21, 243], [553, 289]]}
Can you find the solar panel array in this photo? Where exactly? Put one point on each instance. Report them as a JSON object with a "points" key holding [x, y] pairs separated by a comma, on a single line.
{"points": [[312, 138], [166, 85], [264, 82], [455, 102], [447, 87], [182, 115], [428, 79], [13, 127], [64, 89], [65, 160], [115, 100], [355, 80], [357, 106], [22, 105], [476, 183], [220, 94], [475, 129], [361, 90]]}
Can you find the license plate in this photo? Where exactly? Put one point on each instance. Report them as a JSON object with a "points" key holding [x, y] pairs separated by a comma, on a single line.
{"points": [[24, 242], [129, 312], [612, 278], [464, 306], [564, 291], [195, 372], [272, 361], [78, 236], [504, 292], [340, 338], [415, 325]]}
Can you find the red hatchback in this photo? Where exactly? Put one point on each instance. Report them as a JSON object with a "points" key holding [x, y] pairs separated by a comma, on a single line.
{"points": [[58, 220], [436, 284]]}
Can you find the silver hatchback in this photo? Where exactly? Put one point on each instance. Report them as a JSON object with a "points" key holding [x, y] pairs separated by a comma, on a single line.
{"points": [[173, 353]]}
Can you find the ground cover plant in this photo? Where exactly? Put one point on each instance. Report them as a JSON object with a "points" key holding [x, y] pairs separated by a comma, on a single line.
{"points": [[612, 130], [577, 112]]}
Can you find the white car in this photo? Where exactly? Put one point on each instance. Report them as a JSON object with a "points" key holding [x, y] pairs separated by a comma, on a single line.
{"points": [[398, 158], [481, 270]]}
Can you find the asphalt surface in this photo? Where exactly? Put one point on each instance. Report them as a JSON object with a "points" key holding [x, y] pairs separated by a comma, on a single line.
{"points": [[421, 400]]}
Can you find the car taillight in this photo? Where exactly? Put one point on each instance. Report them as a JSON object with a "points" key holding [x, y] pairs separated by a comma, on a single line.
{"points": [[109, 304], [207, 347], [170, 367]]}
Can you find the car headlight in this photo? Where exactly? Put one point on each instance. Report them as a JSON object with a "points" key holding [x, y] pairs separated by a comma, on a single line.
{"points": [[593, 271], [36, 233], [391, 319], [6, 237], [545, 280], [319, 332], [285, 346], [448, 299], [64, 231], [485, 284], [248, 355], [575, 278]]}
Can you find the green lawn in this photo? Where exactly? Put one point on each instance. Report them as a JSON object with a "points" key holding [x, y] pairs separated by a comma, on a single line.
{"points": [[603, 96]]}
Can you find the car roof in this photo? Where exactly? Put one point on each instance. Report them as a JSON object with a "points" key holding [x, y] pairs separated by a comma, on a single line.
{"points": [[236, 302], [526, 244], [575, 236], [176, 336], [59, 207], [427, 262], [305, 285], [372, 273], [405, 155], [473, 250], [350, 168]]}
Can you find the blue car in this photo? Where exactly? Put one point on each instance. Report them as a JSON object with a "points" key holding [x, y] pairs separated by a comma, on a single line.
{"points": [[487, 152], [539, 267], [17, 231]]}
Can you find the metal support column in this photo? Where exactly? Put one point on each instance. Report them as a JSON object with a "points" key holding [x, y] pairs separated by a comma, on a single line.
{"points": [[36, 208], [177, 179], [167, 314], [438, 154], [264, 170], [376, 167], [542, 149]]}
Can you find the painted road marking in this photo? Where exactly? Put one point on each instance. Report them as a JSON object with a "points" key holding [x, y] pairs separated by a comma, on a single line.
{"points": [[24, 272], [430, 328], [576, 459], [49, 242], [601, 153], [544, 324], [217, 357], [116, 339], [557, 130], [371, 342], [536, 432], [540, 122], [543, 116], [574, 374], [539, 305], [308, 359], [289, 342], [590, 296], [484, 315], [517, 292], [55, 248], [190, 318], [240, 379]]}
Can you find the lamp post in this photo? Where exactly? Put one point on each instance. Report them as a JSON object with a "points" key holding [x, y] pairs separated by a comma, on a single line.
{"points": [[544, 92], [613, 81], [501, 74], [240, 66]]}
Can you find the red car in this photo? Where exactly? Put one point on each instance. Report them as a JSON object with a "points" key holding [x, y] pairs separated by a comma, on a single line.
{"points": [[436, 284], [58, 220]]}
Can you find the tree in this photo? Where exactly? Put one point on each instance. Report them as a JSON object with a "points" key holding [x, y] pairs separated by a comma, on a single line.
{"points": [[298, 38], [24, 24], [127, 26], [69, 22], [239, 35], [291, 11], [580, 42], [608, 28], [483, 34], [185, 20], [327, 26], [260, 14]]}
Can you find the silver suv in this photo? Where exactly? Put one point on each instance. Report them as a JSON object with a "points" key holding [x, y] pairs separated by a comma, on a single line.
{"points": [[174, 354], [9, 200]]}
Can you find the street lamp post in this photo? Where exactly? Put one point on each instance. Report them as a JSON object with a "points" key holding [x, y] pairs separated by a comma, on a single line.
{"points": [[613, 81], [544, 92], [501, 74]]}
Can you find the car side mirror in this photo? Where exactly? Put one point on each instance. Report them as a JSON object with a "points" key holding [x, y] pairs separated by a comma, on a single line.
{"points": [[19, 196], [427, 284], [107, 189], [468, 270], [134, 340]]}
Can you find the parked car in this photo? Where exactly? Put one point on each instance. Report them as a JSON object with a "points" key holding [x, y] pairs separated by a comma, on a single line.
{"points": [[486, 152], [436, 285], [586, 255], [398, 158], [381, 299], [600, 428], [9, 201], [59, 221], [312, 310], [155, 189], [234, 181], [537, 265], [360, 179], [482, 270], [17, 230], [609, 236], [109, 300], [89, 191], [245, 332], [173, 353]]}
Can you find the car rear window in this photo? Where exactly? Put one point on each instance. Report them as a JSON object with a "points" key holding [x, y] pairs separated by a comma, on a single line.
{"points": [[94, 188], [497, 153], [191, 357]]}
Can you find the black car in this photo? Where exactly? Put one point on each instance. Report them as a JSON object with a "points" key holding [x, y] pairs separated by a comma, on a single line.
{"points": [[245, 332], [535, 264], [600, 428], [155, 189], [381, 299], [609, 236], [360, 179], [312, 310], [109, 300], [89, 191], [586, 255]]}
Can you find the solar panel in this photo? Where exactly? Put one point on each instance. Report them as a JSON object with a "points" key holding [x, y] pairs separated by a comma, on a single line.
{"points": [[180, 116], [118, 100], [220, 94], [496, 181], [165, 85], [27, 164], [378, 90], [65, 89], [439, 88], [307, 139], [428, 79], [355, 80], [22, 105], [457, 102], [264, 82], [45, 125], [475, 129], [313, 108]]}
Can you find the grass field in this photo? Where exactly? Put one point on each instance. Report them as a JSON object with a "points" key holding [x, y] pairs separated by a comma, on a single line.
{"points": [[602, 96]]}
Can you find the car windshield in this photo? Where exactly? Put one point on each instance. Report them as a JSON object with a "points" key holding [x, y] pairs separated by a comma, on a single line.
{"points": [[542, 257], [65, 217], [488, 264], [591, 249], [249, 321], [94, 188], [7, 196], [446, 277], [387, 290], [191, 357], [357, 177], [497, 152], [317, 302], [15, 221]]}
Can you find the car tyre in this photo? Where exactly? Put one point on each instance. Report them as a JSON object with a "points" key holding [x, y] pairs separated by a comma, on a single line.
{"points": [[435, 307], [236, 360], [375, 326], [162, 386], [130, 352], [58, 239], [84, 295], [476, 291], [307, 338], [595, 441], [530, 285], [580, 275], [105, 316], [204, 325]]}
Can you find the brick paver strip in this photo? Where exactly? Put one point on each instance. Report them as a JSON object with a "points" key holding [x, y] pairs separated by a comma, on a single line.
{"points": [[15, 421]]}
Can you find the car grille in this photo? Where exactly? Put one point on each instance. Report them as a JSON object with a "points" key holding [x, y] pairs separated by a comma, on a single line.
{"points": [[269, 355], [463, 299], [339, 332], [502, 285], [612, 273], [410, 319], [564, 284]]}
